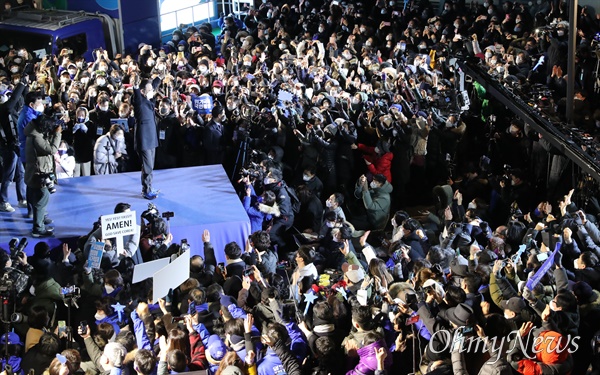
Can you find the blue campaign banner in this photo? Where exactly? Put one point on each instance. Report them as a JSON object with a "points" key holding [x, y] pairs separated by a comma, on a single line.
{"points": [[532, 282], [203, 104], [95, 257]]}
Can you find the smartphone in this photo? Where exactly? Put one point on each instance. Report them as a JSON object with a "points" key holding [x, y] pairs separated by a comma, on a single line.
{"points": [[542, 257], [221, 267], [84, 327], [62, 328], [180, 55], [412, 320], [402, 46]]}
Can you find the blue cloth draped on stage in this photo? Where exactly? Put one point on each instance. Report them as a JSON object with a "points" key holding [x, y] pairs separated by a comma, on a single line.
{"points": [[201, 198]]}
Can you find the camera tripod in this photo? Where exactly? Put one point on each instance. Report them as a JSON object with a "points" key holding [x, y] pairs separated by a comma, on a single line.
{"points": [[70, 300], [240, 160]]}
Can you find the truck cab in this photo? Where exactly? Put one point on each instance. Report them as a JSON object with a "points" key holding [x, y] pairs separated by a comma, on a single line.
{"points": [[47, 32]]}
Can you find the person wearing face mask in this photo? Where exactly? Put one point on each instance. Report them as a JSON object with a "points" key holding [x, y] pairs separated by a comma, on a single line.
{"points": [[334, 204], [311, 181], [108, 150], [274, 182], [375, 197], [213, 137], [310, 216], [102, 114], [33, 108], [218, 92], [146, 134], [168, 124], [378, 159], [84, 138], [43, 136], [64, 162]]}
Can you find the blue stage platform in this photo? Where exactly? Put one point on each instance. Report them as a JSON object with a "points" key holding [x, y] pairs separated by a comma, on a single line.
{"points": [[201, 198]]}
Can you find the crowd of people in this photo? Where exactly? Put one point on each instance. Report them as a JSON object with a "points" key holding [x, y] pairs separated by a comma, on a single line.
{"points": [[334, 120]]}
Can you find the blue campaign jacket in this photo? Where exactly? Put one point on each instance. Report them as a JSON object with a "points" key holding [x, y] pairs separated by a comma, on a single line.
{"points": [[25, 117], [270, 364]]}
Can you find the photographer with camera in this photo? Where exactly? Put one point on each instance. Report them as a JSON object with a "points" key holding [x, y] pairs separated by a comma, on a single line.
{"points": [[155, 239], [43, 138]]}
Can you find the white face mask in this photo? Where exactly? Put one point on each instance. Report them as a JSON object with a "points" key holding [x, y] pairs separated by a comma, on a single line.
{"points": [[180, 64], [100, 82], [64, 79], [150, 95], [160, 67], [373, 185], [217, 91], [247, 63], [507, 317], [282, 46], [328, 204], [109, 289], [394, 224], [99, 316], [471, 206], [490, 11], [355, 100], [14, 69], [103, 68], [203, 69], [122, 114], [518, 60], [268, 181], [330, 224], [79, 64], [85, 80], [560, 32], [39, 108], [306, 177], [488, 55]]}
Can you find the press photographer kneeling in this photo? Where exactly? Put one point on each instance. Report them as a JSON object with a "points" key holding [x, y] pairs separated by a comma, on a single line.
{"points": [[43, 138]]}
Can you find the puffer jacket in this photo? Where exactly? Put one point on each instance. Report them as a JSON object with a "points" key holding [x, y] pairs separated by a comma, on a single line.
{"points": [[491, 367], [368, 359], [377, 202], [380, 164], [40, 151], [105, 149]]}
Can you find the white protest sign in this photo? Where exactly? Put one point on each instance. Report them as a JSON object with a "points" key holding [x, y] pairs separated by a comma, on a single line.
{"points": [[171, 276], [146, 270], [117, 226]]}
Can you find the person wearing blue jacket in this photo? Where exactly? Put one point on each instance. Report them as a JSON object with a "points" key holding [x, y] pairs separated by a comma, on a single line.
{"points": [[264, 207], [34, 107]]}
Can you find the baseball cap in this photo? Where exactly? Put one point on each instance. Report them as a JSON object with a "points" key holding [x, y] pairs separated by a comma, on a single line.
{"points": [[353, 272], [215, 348], [514, 304]]}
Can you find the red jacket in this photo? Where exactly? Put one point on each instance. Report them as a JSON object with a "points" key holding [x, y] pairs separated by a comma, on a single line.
{"points": [[198, 360], [379, 164]]}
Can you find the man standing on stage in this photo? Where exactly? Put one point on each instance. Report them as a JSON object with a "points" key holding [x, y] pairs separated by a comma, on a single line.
{"points": [[146, 138], [43, 135]]}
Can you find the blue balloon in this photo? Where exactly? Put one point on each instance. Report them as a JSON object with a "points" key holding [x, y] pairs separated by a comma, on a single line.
{"points": [[108, 4]]}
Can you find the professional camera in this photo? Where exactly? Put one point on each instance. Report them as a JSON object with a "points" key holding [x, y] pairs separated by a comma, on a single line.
{"points": [[47, 181], [58, 118], [16, 247], [151, 214]]}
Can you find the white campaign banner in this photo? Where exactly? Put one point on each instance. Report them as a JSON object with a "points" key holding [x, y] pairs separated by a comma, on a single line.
{"points": [[171, 276]]}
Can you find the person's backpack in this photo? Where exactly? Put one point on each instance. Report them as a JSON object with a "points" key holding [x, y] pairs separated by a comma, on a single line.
{"points": [[295, 202]]}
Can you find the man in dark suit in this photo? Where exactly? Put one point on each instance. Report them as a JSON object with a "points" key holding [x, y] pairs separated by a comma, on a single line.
{"points": [[146, 139], [212, 137]]}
